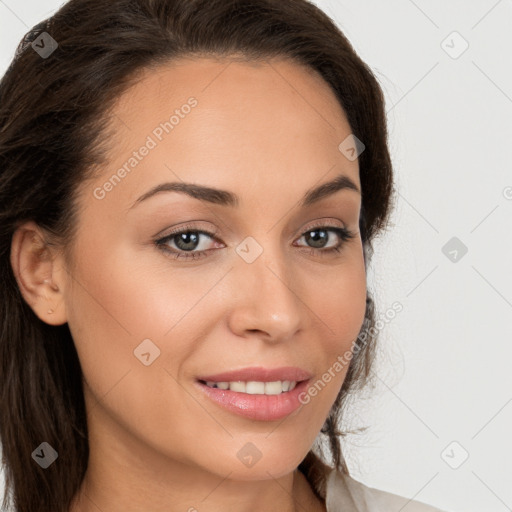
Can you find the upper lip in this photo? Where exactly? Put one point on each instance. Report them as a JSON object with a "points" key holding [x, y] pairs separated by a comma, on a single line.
{"points": [[260, 374]]}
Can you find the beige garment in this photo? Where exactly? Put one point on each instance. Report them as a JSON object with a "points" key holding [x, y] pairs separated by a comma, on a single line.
{"points": [[345, 494]]}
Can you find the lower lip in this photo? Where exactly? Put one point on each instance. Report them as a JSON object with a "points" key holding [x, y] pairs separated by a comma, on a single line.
{"points": [[257, 407]]}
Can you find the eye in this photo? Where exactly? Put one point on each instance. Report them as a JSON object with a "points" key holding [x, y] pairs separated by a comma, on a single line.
{"points": [[187, 241], [319, 237]]}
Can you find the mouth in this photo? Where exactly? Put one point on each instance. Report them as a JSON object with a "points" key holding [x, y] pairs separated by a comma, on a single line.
{"points": [[254, 387], [257, 393]]}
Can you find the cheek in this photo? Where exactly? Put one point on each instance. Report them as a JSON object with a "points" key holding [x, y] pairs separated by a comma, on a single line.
{"points": [[341, 306], [337, 303], [340, 301], [136, 294], [110, 316], [117, 304]]}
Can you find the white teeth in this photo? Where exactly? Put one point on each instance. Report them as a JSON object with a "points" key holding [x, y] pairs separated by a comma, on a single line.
{"points": [[273, 388], [237, 386], [254, 387]]}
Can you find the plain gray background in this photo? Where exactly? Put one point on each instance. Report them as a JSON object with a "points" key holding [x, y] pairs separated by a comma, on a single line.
{"points": [[444, 381]]}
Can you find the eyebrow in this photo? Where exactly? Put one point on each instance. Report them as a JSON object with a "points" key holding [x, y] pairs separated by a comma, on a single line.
{"points": [[226, 198]]}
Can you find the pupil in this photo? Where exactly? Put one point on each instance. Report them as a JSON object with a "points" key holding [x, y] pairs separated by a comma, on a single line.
{"points": [[183, 237], [315, 237]]}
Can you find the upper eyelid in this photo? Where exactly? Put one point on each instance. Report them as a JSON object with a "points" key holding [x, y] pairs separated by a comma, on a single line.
{"points": [[321, 223]]}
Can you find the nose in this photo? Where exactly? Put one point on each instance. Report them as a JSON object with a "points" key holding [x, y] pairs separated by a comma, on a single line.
{"points": [[266, 298]]}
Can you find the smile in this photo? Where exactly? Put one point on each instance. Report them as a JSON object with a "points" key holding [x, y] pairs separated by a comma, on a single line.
{"points": [[255, 387]]}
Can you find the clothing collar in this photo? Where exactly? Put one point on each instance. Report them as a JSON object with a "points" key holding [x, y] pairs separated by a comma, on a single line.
{"points": [[344, 494]]}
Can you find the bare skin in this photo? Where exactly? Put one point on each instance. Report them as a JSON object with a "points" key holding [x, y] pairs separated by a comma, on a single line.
{"points": [[267, 132]]}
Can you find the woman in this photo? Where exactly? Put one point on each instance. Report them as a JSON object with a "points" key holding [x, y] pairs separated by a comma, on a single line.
{"points": [[189, 194]]}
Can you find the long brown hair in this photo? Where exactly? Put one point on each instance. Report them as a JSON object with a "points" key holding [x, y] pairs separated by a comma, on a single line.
{"points": [[53, 113]]}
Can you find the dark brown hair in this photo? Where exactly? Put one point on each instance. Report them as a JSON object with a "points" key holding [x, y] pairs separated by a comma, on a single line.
{"points": [[53, 116]]}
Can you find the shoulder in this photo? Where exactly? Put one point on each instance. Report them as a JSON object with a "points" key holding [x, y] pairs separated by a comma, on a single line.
{"points": [[345, 493]]}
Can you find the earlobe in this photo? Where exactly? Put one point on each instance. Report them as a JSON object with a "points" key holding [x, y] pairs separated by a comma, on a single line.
{"points": [[37, 272]]}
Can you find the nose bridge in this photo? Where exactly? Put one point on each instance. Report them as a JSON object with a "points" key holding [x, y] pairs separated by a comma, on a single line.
{"points": [[266, 298]]}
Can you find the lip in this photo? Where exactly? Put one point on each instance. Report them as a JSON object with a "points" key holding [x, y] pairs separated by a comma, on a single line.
{"points": [[260, 374], [257, 407]]}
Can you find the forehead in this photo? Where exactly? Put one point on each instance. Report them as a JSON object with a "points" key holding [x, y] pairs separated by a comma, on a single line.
{"points": [[270, 120], [232, 81]]}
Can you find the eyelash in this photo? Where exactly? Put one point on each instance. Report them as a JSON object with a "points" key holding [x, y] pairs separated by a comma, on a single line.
{"points": [[344, 234]]}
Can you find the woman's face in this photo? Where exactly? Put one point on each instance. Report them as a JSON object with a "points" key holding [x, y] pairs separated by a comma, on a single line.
{"points": [[266, 293]]}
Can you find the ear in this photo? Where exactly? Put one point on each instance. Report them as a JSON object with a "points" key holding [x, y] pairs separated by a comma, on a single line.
{"points": [[40, 273]]}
